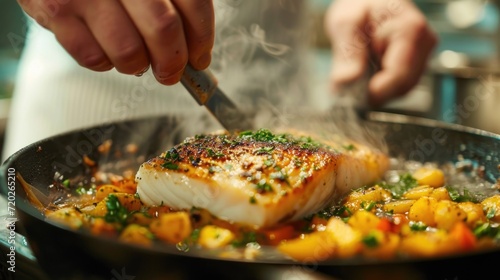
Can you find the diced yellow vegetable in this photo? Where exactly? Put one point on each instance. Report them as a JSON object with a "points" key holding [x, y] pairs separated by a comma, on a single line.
{"points": [[347, 238], [140, 218], [363, 221], [447, 213], [99, 226], [103, 191], [215, 237], [418, 192], [475, 213], [129, 201], [172, 227], [374, 194], [388, 244], [429, 176], [399, 206], [428, 244], [312, 247], [67, 216], [492, 205], [136, 234], [423, 210], [441, 193]]}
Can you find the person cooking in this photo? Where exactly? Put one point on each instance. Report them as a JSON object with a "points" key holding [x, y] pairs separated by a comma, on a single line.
{"points": [[81, 58]]}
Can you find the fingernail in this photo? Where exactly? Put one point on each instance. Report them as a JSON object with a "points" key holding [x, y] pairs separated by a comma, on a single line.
{"points": [[140, 73], [170, 80], [104, 66], [204, 60]]}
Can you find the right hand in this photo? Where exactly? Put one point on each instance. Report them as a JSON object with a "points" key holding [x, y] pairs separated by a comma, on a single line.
{"points": [[131, 35]]}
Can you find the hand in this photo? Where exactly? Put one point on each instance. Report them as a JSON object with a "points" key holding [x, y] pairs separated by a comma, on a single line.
{"points": [[131, 35], [393, 34]]}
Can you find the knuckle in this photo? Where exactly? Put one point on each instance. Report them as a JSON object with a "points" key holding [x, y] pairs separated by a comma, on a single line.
{"points": [[203, 4], [128, 53], [419, 25], [166, 22]]}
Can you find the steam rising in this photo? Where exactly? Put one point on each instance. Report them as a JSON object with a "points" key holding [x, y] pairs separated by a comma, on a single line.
{"points": [[261, 59]]}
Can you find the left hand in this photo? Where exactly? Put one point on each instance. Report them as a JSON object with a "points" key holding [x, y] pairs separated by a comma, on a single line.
{"points": [[394, 33]]}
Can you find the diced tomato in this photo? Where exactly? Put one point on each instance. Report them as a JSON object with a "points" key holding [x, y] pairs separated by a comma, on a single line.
{"points": [[384, 225], [276, 235], [398, 221], [318, 221], [464, 235]]}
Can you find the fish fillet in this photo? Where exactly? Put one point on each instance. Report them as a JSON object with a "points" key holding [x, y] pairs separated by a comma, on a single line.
{"points": [[257, 178]]}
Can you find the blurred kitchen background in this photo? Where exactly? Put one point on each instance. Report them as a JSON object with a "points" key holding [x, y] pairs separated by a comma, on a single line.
{"points": [[461, 84]]}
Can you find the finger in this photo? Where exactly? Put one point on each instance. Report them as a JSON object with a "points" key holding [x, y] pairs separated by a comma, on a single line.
{"points": [[160, 25], [70, 31], [403, 62], [345, 25], [117, 35], [79, 42], [198, 22]]}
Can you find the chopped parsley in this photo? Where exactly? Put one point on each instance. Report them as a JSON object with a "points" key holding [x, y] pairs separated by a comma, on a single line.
{"points": [[463, 196], [252, 200], [487, 230], [171, 156], [116, 212], [418, 226], [368, 206], [247, 237], [214, 154], [405, 183], [263, 187], [371, 241], [264, 150], [350, 147]]}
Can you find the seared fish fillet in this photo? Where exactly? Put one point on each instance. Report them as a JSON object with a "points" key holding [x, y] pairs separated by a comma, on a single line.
{"points": [[257, 178]]}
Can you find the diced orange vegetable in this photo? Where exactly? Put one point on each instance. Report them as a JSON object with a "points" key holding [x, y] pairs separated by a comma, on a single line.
{"points": [[99, 226], [464, 235], [103, 191], [318, 222], [398, 221], [384, 225], [155, 211]]}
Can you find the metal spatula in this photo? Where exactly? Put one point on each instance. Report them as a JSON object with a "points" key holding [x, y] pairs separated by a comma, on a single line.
{"points": [[202, 85]]}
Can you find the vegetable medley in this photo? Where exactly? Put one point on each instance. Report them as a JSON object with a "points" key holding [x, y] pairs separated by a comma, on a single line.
{"points": [[415, 216]]}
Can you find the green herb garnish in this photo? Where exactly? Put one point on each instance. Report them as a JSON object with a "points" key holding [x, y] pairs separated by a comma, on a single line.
{"points": [[116, 212], [405, 183]]}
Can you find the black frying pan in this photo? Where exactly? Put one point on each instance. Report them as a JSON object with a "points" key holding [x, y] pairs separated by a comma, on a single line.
{"points": [[67, 254]]}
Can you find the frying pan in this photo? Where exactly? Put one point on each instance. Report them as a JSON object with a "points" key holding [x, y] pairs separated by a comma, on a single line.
{"points": [[68, 254]]}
